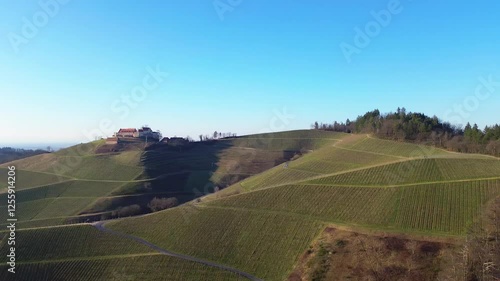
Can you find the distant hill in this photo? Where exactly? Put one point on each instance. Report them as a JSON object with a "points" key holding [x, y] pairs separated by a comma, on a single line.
{"points": [[8, 154]]}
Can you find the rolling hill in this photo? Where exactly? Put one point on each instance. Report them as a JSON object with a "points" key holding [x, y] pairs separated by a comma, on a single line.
{"points": [[256, 203], [96, 181]]}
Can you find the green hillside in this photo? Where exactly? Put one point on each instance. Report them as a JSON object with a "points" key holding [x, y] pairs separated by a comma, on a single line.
{"points": [[261, 201], [96, 181], [146, 267], [265, 244], [356, 181], [84, 253]]}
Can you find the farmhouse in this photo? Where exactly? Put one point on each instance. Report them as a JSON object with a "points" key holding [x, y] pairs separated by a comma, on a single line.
{"points": [[126, 133], [144, 132]]}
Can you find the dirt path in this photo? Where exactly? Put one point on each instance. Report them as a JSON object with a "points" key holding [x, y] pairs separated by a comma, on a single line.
{"points": [[100, 226]]}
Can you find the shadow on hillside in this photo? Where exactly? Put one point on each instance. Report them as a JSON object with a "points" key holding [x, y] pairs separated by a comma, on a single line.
{"points": [[185, 172]]}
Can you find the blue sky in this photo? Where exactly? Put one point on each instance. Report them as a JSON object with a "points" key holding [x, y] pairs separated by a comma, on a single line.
{"points": [[239, 67]]}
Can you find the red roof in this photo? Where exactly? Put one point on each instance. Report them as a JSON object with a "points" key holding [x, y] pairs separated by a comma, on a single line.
{"points": [[127, 131]]}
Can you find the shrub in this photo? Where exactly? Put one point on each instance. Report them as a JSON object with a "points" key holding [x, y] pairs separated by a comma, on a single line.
{"points": [[128, 211], [158, 204]]}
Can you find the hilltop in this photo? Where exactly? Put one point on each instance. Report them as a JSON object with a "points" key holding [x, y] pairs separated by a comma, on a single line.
{"points": [[98, 180]]}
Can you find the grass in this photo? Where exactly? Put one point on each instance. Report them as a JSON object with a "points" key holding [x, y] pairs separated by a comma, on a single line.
{"points": [[447, 208], [63, 207], [332, 159], [50, 204], [286, 143], [91, 167], [84, 149], [64, 189], [400, 149], [264, 244], [266, 221], [122, 268], [36, 223], [417, 171], [328, 159], [47, 208], [82, 241], [70, 178], [27, 179], [323, 203], [25, 211], [277, 175]]}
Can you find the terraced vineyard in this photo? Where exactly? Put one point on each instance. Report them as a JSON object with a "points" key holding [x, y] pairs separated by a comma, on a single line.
{"points": [[27, 179], [150, 267], [277, 175], [62, 243], [418, 171], [37, 223], [401, 149], [47, 208], [94, 167], [446, 208], [87, 179], [323, 203], [50, 204], [84, 253], [437, 208], [283, 189], [271, 241], [68, 189], [330, 159], [289, 140]]}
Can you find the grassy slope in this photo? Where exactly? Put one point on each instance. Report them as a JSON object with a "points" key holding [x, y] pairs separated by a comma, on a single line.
{"points": [[418, 171], [84, 176], [144, 267], [61, 243], [273, 219], [445, 208], [51, 187], [27, 179], [265, 244], [84, 253]]}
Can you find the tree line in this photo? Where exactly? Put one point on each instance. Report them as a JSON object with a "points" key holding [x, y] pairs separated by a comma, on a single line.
{"points": [[420, 128], [216, 135], [8, 154]]}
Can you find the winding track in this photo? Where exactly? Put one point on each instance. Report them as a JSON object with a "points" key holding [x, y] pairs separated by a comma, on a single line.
{"points": [[100, 226]]}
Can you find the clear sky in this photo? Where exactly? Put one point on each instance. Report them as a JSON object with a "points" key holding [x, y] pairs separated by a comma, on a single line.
{"points": [[73, 69]]}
